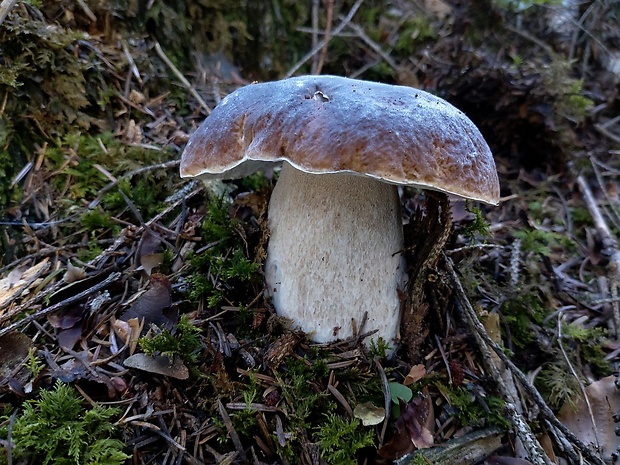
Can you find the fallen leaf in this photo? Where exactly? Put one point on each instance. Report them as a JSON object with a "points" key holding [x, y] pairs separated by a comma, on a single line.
{"points": [[369, 413], [73, 273], [416, 373], [14, 348], [605, 402], [159, 364], [414, 428], [400, 392], [17, 278], [68, 317], [154, 306], [129, 332], [149, 252]]}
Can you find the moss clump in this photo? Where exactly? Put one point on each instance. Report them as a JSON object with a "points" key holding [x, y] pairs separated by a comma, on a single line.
{"points": [[183, 341], [340, 438], [224, 265], [56, 429], [471, 411]]}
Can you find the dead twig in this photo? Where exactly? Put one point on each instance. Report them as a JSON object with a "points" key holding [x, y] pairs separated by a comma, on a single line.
{"points": [[322, 43], [582, 388], [609, 247], [234, 436], [326, 37], [182, 78], [46, 311], [5, 8], [472, 318], [359, 31]]}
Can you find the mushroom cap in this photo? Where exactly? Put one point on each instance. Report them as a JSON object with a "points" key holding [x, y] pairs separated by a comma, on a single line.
{"points": [[329, 124]]}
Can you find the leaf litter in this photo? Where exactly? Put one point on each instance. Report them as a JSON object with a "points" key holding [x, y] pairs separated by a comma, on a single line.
{"points": [[99, 252]]}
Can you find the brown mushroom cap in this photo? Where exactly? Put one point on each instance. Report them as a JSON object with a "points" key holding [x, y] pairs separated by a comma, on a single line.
{"points": [[328, 124]]}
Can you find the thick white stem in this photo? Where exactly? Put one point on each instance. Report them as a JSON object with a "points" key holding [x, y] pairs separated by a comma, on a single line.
{"points": [[334, 254]]}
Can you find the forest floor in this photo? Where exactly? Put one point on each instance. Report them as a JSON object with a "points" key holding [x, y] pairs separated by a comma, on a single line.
{"points": [[134, 323]]}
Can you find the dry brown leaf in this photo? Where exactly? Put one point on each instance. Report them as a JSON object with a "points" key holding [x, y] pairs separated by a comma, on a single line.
{"points": [[414, 428], [416, 373], [605, 402], [73, 273], [129, 331], [17, 279], [159, 364], [14, 348], [154, 306]]}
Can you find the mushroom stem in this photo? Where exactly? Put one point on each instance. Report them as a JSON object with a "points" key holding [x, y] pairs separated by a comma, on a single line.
{"points": [[334, 254]]}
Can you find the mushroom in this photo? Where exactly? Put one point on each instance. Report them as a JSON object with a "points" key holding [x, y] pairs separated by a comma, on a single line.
{"points": [[336, 235]]}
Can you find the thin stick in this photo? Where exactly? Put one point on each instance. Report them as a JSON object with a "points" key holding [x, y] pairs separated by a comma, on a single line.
{"points": [[181, 78], [46, 311], [532, 392], [373, 45], [315, 32], [319, 46], [609, 247], [326, 37], [582, 388], [5, 8]]}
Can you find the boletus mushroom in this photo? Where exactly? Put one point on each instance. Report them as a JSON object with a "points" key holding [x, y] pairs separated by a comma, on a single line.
{"points": [[336, 234]]}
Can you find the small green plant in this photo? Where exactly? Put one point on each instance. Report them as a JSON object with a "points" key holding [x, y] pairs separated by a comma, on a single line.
{"points": [[479, 226], [57, 429], [340, 438], [557, 384], [521, 312], [591, 341], [33, 363], [541, 242], [224, 264], [379, 348], [184, 341], [470, 411]]}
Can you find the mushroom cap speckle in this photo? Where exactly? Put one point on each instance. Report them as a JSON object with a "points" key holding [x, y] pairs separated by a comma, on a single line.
{"points": [[329, 124]]}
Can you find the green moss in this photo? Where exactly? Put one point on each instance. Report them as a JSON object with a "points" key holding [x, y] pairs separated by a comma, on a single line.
{"points": [[520, 312], [183, 340], [557, 383], [56, 429], [97, 219], [414, 33], [480, 226], [340, 439], [470, 411], [591, 342], [539, 241]]}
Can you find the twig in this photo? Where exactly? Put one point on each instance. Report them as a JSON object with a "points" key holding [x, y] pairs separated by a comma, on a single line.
{"points": [[315, 32], [609, 246], [614, 217], [603, 130], [231, 430], [532, 38], [531, 391], [326, 37], [320, 45], [387, 399], [46, 311], [87, 11], [181, 78], [582, 388], [131, 62], [5, 8], [373, 45], [523, 431]]}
